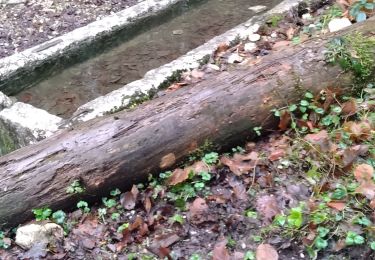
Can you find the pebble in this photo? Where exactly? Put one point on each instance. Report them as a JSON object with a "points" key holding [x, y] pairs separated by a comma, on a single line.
{"points": [[254, 28], [258, 8], [213, 67], [250, 46], [254, 37], [235, 58], [307, 16], [178, 32], [273, 34], [338, 24]]}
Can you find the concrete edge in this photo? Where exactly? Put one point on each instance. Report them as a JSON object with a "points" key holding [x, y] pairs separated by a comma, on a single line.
{"points": [[29, 63], [153, 78]]}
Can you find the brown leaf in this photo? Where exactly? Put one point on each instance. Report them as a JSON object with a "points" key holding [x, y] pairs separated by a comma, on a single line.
{"points": [[127, 200], [276, 155], [198, 207], [358, 130], [349, 108], [290, 33], [367, 189], [284, 120], [372, 204], [320, 139], [266, 252], [350, 154], [239, 189], [147, 204], [220, 251], [337, 205], [238, 167], [175, 86], [178, 176], [223, 47], [363, 172], [268, 207]]}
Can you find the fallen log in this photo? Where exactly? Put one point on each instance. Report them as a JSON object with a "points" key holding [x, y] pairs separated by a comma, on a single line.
{"points": [[119, 150]]}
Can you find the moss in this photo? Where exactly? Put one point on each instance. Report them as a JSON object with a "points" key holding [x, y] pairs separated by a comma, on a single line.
{"points": [[235, 41], [204, 60], [7, 142], [275, 19], [354, 53], [175, 77]]}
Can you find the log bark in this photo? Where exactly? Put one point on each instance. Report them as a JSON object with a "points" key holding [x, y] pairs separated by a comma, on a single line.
{"points": [[119, 150]]}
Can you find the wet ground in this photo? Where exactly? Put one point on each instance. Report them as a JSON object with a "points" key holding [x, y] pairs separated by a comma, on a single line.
{"points": [[64, 92]]}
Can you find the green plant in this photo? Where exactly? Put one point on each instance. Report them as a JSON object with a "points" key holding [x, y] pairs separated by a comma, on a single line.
{"points": [[42, 213], [333, 12], [84, 206], [59, 217], [4, 244], [121, 228], [251, 214], [353, 238], [295, 217], [102, 212], [274, 20], [352, 53], [211, 158], [115, 216], [249, 255], [359, 8], [75, 187], [176, 218], [195, 256], [258, 130], [109, 203], [115, 192]]}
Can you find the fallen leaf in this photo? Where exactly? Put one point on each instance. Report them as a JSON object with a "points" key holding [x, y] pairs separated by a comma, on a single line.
{"points": [[239, 189], [276, 155], [147, 204], [175, 86], [363, 172], [320, 139], [238, 166], [372, 204], [198, 207], [367, 189], [290, 33], [220, 251], [266, 252], [284, 120], [358, 130], [349, 108], [127, 200], [178, 176], [268, 207], [351, 154], [337, 205]]}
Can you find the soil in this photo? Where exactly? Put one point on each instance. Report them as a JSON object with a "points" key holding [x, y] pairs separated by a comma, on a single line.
{"points": [[33, 22]]}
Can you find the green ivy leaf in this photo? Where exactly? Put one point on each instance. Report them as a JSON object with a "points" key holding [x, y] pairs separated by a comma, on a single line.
{"points": [[320, 243], [59, 216], [295, 217]]}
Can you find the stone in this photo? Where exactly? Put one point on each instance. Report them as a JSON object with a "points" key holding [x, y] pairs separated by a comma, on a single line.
{"points": [[254, 37], [250, 46], [34, 234], [213, 67], [258, 8], [5, 101], [235, 58], [24, 118], [254, 28], [338, 24], [274, 34], [307, 16], [177, 32]]}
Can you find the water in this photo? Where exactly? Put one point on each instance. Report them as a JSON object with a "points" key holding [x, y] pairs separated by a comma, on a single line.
{"points": [[63, 93]]}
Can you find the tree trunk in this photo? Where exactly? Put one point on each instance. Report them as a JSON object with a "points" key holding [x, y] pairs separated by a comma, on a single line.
{"points": [[119, 150]]}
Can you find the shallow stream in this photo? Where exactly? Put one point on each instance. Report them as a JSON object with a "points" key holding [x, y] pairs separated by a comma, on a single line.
{"points": [[190, 26]]}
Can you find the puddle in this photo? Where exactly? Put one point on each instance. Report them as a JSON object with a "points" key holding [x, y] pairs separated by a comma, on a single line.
{"points": [[64, 92]]}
